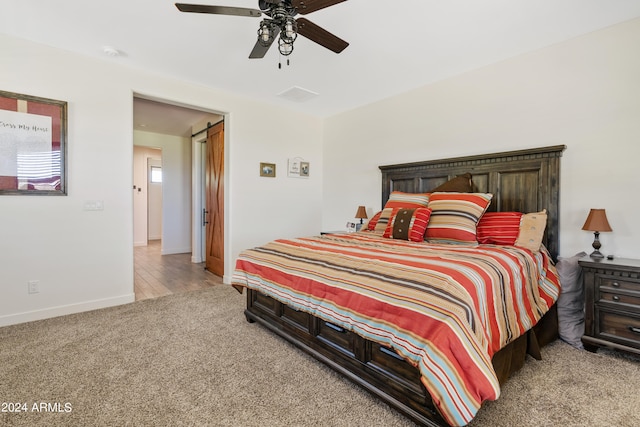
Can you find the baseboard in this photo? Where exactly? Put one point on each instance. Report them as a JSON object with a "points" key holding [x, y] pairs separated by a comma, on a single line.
{"points": [[30, 316], [169, 251], [196, 260]]}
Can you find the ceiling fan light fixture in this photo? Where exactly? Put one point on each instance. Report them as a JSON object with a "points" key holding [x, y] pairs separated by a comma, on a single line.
{"points": [[285, 47], [265, 33], [289, 30]]}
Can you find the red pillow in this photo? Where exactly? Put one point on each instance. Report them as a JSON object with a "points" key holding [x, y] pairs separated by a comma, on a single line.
{"points": [[371, 225], [408, 224], [499, 228]]}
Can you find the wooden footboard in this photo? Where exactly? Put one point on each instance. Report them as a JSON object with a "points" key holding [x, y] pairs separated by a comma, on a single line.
{"points": [[376, 368]]}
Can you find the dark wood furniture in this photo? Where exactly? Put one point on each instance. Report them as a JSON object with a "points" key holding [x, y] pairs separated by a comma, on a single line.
{"points": [[525, 181], [612, 303], [521, 181]]}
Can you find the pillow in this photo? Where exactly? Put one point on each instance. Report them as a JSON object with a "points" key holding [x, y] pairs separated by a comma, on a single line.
{"points": [[383, 220], [531, 232], [571, 300], [408, 224], [459, 184], [499, 228], [371, 224], [399, 199], [454, 216]]}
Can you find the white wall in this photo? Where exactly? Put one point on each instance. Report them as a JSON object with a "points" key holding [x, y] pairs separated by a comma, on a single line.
{"points": [[84, 259], [176, 188], [584, 93]]}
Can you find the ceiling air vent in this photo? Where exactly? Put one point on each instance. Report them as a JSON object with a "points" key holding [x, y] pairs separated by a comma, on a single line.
{"points": [[297, 94]]}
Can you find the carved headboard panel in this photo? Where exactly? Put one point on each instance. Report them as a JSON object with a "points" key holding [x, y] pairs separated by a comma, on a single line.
{"points": [[523, 181]]}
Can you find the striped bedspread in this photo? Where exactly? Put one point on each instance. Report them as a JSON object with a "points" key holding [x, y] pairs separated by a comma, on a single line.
{"points": [[445, 308]]}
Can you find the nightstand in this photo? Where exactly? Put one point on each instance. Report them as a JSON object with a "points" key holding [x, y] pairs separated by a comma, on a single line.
{"points": [[612, 304]]}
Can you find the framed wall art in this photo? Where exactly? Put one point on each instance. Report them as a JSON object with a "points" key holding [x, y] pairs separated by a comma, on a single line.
{"points": [[297, 168], [268, 170], [33, 145]]}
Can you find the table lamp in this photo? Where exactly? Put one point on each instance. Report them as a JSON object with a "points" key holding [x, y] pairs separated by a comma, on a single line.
{"points": [[361, 214], [596, 222]]}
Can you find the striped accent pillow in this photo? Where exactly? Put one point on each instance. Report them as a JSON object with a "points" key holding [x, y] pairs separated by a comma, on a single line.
{"points": [[383, 221], [454, 216], [499, 228], [399, 199], [371, 224], [408, 224]]}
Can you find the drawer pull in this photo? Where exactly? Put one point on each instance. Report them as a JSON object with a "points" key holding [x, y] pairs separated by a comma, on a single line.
{"points": [[390, 352], [616, 298], [335, 327], [615, 284], [634, 329]]}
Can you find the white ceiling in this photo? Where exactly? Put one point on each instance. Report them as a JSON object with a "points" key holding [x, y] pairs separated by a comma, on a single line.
{"points": [[160, 117], [395, 46]]}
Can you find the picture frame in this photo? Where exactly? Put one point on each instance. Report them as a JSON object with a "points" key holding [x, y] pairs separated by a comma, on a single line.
{"points": [[297, 168], [304, 169], [33, 145], [268, 169]]}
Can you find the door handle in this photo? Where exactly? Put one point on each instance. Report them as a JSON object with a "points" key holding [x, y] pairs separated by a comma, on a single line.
{"points": [[204, 217]]}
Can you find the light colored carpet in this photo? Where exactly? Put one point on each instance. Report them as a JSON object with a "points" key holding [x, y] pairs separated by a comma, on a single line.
{"points": [[193, 360]]}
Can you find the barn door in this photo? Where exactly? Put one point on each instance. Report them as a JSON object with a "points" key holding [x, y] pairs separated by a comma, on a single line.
{"points": [[214, 210]]}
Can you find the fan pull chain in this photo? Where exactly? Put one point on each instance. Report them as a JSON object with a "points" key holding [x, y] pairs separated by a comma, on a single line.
{"points": [[280, 62]]}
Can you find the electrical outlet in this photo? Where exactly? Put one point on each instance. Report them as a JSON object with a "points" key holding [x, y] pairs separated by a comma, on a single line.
{"points": [[33, 286]]}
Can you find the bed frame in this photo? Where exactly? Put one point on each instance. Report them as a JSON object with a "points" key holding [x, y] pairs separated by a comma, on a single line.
{"points": [[524, 181]]}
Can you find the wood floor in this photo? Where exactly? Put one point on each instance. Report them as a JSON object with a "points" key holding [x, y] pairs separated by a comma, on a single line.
{"points": [[157, 275]]}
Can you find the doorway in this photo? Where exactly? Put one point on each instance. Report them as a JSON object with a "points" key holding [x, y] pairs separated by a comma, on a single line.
{"points": [[184, 168], [154, 198], [147, 196]]}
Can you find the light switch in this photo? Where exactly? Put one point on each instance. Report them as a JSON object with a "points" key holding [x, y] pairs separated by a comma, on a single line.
{"points": [[93, 205]]}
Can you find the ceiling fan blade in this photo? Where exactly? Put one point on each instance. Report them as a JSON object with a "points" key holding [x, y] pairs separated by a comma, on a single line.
{"points": [[307, 6], [218, 10], [259, 50], [320, 35]]}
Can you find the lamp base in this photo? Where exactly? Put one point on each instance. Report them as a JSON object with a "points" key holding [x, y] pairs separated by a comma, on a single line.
{"points": [[596, 246], [596, 254]]}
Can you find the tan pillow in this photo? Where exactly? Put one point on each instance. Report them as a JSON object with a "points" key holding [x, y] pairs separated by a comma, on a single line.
{"points": [[532, 226]]}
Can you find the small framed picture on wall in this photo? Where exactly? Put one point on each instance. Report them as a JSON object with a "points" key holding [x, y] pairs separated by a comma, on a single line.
{"points": [[268, 170]]}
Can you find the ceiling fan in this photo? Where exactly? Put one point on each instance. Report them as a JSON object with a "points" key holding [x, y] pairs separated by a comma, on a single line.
{"points": [[279, 21]]}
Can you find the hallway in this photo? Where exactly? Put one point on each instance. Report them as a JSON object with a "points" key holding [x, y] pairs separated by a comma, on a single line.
{"points": [[158, 275]]}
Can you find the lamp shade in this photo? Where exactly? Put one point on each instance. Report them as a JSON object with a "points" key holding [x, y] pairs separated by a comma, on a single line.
{"points": [[362, 212], [597, 221]]}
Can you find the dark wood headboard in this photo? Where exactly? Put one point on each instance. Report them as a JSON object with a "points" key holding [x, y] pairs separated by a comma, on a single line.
{"points": [[522, 181]]}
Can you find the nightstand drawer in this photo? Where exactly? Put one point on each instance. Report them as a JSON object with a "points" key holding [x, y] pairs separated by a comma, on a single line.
{"points": [[619, 327], [627, 301], [614, 283]]}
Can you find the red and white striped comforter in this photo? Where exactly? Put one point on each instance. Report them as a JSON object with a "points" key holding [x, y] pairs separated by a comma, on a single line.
{"points": [[445, 308]]}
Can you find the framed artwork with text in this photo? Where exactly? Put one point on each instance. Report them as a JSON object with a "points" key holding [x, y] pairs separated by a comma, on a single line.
{"points": [[33, 133]]}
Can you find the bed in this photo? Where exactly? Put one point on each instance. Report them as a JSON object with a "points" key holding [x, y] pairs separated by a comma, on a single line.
{"points": [[431, 328]]}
